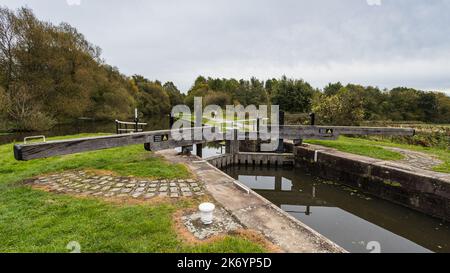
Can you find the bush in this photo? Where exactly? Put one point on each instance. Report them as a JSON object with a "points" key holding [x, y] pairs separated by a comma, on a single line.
{"points": [[427, 135], [36, 121], [344, 108]]}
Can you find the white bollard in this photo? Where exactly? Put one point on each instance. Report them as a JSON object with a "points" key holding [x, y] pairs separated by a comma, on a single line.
{"points": [[206, 212]]}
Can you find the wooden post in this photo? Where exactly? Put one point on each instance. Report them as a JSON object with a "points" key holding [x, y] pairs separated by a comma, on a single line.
{"points": [[117, 127], [199, 148], [171, 121], [258, 125], [232, 146], [136, 120], [281, 141], [313, 118], [147, 147], [308, 210]]}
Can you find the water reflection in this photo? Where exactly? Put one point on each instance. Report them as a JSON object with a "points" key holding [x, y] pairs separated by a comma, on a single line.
{"points": [[210, 149], [83, 126], [344, 215]]}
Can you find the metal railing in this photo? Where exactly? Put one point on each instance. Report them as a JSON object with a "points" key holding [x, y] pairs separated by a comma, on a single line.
{"points": [[126, 127]]}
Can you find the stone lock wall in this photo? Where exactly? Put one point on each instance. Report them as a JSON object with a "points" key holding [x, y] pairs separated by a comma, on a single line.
{"points": [[420, 190], [270, 159]]}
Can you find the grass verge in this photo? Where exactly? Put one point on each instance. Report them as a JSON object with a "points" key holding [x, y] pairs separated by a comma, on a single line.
{"points": [[128, 161], [37, 221], [374, 149]]}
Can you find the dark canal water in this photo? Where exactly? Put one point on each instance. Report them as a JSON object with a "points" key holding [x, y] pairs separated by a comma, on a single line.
{"points": [[209, 150], [83, 126], [348, 217]]}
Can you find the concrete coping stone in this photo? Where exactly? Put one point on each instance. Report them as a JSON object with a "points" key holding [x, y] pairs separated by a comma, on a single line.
{"points": [[256, 212]]}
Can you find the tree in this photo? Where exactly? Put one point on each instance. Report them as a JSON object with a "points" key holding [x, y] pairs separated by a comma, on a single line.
{"points": [[332, 88], [199, 89], [428, 104], [175, 96], [8, 41], [403, 104], [373, 99], [54, 73], [152, 99], [251, 93], [292, 95], [269, 86], [3, 105], [217, 98], [343, 108], [443, 108], [326, 108]]}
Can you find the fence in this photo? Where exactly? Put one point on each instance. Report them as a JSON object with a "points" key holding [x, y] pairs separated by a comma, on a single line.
{"points": [[124, 127]]}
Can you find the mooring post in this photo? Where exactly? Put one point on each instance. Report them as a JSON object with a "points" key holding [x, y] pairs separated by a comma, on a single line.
{"points": [[171, 121], [232, 146], [257, 124], [199, 148], [308, 210], [281, 141], [147, 147], [258, 142], [136, 120], [313, 118]]}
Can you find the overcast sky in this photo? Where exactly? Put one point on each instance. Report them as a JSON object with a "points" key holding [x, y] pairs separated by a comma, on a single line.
{"points": [[384, 43]]}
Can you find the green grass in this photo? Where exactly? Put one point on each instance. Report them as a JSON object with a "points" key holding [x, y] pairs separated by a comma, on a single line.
{"points": [[127, 161], [36, 221], [373, 149], [349, 145]]}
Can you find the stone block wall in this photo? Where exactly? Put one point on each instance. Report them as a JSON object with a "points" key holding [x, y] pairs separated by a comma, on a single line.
{"points": [[424, 191]]}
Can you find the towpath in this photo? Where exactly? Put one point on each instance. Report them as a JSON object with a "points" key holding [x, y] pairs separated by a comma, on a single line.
{"points": [[416, 159], [253, 211]]}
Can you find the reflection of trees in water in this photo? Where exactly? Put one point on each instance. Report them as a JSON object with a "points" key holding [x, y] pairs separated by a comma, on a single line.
{"points": [[307, 192], [153, 123], [85, 126], [216, 145]]}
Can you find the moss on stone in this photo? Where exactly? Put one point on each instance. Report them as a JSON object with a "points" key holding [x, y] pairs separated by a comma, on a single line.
{"points": [[391, 183]]}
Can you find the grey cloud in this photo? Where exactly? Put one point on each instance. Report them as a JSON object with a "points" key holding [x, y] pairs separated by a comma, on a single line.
{"points": [[401, 42]]}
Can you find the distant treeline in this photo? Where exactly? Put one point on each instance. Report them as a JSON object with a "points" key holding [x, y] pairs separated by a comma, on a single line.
{"points": [[335, 104], [50, 74]]}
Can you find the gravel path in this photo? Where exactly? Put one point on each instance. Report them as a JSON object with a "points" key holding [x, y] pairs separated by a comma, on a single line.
{"points": [[416, 159]]}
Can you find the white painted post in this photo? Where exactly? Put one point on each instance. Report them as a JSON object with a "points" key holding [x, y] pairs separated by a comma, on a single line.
{"points": [[206, 212]]}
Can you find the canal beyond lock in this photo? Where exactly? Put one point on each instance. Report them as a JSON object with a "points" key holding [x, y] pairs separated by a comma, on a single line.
{"points": [[356, 221]]}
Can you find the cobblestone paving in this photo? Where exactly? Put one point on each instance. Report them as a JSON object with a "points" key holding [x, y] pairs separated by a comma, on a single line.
{"points": [[91, 184], [416, 159]]}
